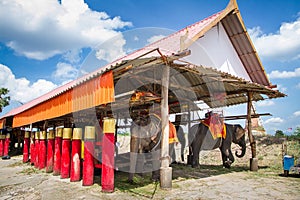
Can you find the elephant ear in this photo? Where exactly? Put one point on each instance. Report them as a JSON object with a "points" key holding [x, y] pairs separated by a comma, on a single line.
{"points": [[239, 132]]}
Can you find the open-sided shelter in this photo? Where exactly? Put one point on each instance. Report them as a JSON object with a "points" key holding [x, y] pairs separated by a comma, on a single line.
{"points": [[212, 61]]}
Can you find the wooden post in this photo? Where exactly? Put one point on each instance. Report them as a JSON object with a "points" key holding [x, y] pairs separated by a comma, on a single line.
{"points": [[32, 149], [57, 151], [190, 156], [26, 146], [66, 153], [253, 160], [108, 151], [36, 148], [42, 150], [75, 156], [89, 149], [50, 151], [165, 169], [2, 138]]}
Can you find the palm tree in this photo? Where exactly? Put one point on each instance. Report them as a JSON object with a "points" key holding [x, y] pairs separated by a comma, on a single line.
{"points": [[4, 99]]}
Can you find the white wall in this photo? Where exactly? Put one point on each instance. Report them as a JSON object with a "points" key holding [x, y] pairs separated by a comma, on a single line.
{"points": [[215, 50]]}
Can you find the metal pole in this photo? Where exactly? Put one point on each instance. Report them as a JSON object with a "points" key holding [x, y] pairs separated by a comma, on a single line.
{"points": [[165, 170]]}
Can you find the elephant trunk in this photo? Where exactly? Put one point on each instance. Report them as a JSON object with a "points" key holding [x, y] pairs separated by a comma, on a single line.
{"points": [[242, 144]]}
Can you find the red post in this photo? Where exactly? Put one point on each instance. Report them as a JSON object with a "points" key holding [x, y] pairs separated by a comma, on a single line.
{"points": [[2, 138], [88, 163], [26, 147], [36, 149], [6, 144], [57, 151], [66, 153], [108, 151], [50, 151], [76, 152], [42, 150], [32, 152]]}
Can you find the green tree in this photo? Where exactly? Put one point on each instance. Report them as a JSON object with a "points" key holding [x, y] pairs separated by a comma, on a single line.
{"points": [[296, 134], [279, 133], [4, 99]]}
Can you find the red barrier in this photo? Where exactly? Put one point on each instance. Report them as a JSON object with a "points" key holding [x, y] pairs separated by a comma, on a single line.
{"points": [[57, 151], [50, 151], [76, 152], [6, 144], [32, 153], [26, 147], [2, 139], [36, 149], [88, 162], [66, 153], [42, 150], [108, 150]]}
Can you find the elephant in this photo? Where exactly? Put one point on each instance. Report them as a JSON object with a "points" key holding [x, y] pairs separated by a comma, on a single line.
{"points": [[200, 138], [182, 140], [145, 142]]}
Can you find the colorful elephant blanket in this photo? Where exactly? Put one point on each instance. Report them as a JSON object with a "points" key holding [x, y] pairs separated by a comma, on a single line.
{"points": [[216, 125]]}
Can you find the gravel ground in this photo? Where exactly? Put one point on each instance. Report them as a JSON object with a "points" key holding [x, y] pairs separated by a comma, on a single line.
{"points": [[22, 181]]}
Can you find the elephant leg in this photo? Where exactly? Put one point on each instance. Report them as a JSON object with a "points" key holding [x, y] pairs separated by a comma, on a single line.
{"points": [[195, 159], [182, 151], [227, 157], [155, 165], [140, 163], [134, 144], [172, 152]]}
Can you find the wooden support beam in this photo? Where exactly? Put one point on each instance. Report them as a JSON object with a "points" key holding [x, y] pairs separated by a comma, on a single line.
{"points": [[165, 170], [253, 160]]}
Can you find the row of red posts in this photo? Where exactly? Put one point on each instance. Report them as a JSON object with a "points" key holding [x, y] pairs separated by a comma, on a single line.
{"points": [[4, 144], [60, 153]]}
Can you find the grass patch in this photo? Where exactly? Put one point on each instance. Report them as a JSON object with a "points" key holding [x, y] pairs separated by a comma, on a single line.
{"points": [[142, 186], [16, 164], [29, 171]]}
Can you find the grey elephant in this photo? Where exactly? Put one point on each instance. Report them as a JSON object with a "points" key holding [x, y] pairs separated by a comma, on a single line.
{"points": [[145, 145], [200, 138]]}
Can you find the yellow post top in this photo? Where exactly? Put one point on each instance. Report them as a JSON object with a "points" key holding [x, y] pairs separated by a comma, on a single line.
{"points": [[59, 132], [27, 134], [37, 135], [43, 135], [109, 125], [77, 133], [67, 133], [32, 135], [7, 135], [50, 134], [89, 132]]}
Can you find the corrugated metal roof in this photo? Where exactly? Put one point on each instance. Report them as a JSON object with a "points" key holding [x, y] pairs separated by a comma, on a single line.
{"points": [[239, 37]]}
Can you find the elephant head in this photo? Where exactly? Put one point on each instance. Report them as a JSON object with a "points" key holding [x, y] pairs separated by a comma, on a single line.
{"points": [[238, 137]]}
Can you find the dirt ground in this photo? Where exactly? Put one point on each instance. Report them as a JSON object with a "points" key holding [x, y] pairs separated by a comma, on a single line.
{"points": [[210, 181]]}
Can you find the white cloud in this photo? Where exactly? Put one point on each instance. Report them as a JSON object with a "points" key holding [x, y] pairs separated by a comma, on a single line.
{"points": [[265, 103], [297, 113], [65, 72], [274, 120], [111, 49], [73, 56], [282, 45], [155, 38], [298, 86], [40, 29], [285, 74], [282, 88], [20, 89]]}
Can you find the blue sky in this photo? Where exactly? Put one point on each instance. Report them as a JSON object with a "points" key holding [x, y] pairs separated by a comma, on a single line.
{"points": [[43, 43]]}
